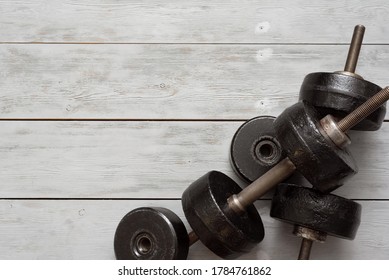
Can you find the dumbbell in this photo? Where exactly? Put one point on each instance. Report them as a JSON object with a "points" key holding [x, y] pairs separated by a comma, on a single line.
{"points": [[341, 92], [220, 213], [218, 210], [315, 215], [156, 233], [152, 233]]}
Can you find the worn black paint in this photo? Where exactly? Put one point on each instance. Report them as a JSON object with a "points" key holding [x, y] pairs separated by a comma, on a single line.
{"points": [[310, 208], [338, 94], [317, 158], [224, 232], [168, 235]]}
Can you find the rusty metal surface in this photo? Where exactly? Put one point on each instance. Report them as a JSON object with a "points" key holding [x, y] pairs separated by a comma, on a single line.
{"points": [[305, 249], [364, 110], [355, 48], [310, 234], [239, 202], [316, 157], [309, 208], [330, 127], [151, 233], [338, 94], [224, 232]]}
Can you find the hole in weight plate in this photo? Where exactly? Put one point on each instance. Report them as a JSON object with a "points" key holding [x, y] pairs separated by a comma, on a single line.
{"points": [[143, 244], [266, 151]]}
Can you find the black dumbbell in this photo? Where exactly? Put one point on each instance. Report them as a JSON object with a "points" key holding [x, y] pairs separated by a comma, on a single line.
{"points": [[341, 92], [220, 213], [152, 233], [216, 208], [315, 215]]}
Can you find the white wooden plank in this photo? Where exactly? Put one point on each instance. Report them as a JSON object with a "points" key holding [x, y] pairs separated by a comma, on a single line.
{"points": [[191, 21], [165, 81], [143, 159], [85, 229], [108, 159]]}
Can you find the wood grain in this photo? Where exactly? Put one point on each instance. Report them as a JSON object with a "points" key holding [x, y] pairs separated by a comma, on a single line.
{"points": [[144, 159], [191, 21], [150, 95], [165, 81], [85, 230]]}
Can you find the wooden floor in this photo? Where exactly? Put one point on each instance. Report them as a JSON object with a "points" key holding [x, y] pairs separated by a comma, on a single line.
{"points": [[106, 106]]}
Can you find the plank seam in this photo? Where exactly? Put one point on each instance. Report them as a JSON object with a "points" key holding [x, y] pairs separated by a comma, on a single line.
{"points": [[120, 120], [190, 43], [151, 199]]}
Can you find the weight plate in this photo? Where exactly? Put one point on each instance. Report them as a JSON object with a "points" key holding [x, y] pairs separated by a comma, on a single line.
{"points": [[338, 94], [317, 158], [151, 233], [224, 232], [309, 208], [255, 149]]}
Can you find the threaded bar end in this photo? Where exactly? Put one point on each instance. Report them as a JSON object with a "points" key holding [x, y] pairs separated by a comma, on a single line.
{"points": [[364, 110]]}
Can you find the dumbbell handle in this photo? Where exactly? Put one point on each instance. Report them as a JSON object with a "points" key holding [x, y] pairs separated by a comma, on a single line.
{"points": [[305, 249], [277, 174], [285, 168], [355, 47]]}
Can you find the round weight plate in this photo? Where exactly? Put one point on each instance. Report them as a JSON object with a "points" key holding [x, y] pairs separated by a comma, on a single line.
{"points": [[255, 149], [317, 158], [151, 234], [338, 94], [224, 232], [309, 208]]}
